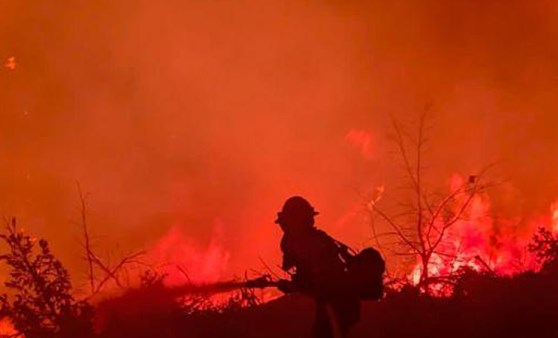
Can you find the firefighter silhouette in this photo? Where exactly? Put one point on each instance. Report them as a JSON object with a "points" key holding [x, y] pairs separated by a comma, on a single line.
{"points": [[316, 263]]}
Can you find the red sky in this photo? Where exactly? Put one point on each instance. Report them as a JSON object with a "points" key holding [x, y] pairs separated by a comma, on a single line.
{"points": [[204, 116]]}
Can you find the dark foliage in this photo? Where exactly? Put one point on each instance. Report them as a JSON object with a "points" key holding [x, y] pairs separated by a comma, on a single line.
{"points": [[545, 247], [153, 310], [40, 303]]}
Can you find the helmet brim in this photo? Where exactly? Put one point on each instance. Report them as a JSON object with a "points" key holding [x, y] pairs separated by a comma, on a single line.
{"points": [[279, 216]]}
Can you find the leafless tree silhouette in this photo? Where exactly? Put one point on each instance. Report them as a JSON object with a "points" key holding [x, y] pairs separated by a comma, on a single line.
{"points": [[101, 272], [423, 222]]}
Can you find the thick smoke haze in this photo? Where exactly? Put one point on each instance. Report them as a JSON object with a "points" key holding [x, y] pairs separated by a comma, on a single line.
{"points": [[199, 118]]}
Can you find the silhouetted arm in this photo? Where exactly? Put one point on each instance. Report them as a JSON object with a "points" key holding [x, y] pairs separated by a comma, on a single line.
{"points": [[286, 286], [288, 262], [288, 259]]}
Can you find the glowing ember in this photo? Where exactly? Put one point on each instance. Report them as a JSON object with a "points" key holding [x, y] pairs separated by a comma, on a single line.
{"points": [[11, 63]]}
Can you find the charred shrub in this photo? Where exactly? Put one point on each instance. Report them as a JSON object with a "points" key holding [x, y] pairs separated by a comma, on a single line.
{"points": [[545, 248], [153, 309], [148, 310], [471, 283], [39, 301]]}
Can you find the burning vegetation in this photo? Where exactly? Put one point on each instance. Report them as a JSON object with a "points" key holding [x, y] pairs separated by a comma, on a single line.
{"points": [[41, 302], [453, 231], [188, 121], [446, 251], [464, 259]]}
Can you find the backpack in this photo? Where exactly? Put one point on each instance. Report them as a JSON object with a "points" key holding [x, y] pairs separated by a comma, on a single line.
{"points": [[365, 273]]}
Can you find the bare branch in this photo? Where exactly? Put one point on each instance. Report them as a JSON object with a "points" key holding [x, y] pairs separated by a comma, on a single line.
{"points": [[396, 228], [433, 214], [94, 262], [87, 241]]}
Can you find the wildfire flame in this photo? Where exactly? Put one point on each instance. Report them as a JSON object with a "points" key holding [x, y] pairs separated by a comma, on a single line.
{"points": [[186, 262], [7, 329], [554, 213], [480, 243]]}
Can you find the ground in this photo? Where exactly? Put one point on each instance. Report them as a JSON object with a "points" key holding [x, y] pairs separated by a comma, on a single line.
{"points": [[524, 306]]}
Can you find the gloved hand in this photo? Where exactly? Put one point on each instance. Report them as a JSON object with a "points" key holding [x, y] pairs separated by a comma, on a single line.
{"points": [[285, 286]]}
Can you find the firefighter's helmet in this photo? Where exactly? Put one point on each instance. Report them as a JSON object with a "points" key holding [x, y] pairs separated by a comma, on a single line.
{"points": [[296, 208]]}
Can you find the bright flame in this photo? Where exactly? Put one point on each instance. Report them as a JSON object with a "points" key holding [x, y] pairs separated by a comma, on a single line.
{"points": [[480, 243], [7, 329], [186, 262], [554, 215]]}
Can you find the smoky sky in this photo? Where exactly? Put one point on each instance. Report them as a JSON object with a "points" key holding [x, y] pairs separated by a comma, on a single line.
{"points": [[207, 115]]}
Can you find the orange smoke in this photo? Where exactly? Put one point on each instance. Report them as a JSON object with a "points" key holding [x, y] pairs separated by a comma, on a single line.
{"points": [[362, 140]]}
